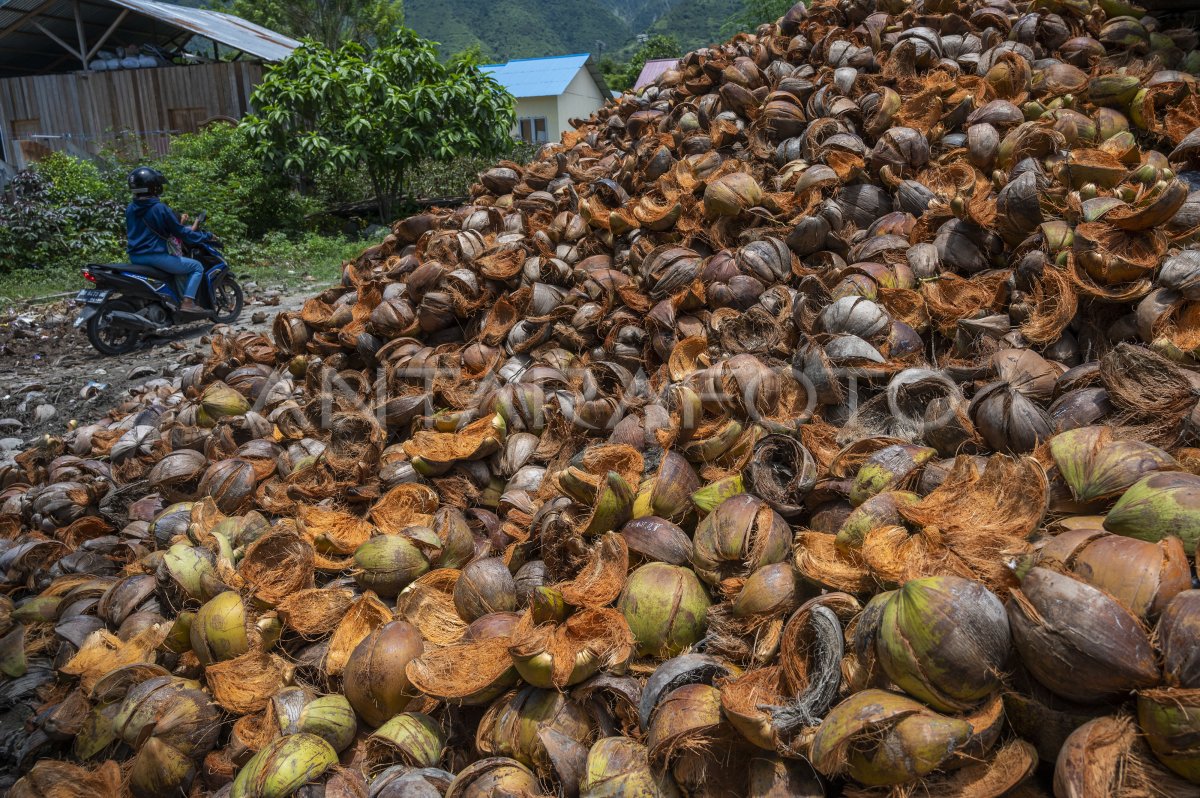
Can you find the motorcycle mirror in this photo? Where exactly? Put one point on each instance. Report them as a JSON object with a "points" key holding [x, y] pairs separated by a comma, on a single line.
{"points": [[200, 220]]}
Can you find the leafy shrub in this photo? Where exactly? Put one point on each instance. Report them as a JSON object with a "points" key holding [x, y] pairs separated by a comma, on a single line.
{"points": [[56, 215], [215, 171]]}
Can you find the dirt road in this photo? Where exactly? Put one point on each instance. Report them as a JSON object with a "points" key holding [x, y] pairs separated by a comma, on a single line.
{"points": [[49, 373]]}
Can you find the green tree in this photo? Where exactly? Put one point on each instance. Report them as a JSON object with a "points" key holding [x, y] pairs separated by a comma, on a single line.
{"points": [[382, 112], [330, 22], [754, 13], [622, 76]]}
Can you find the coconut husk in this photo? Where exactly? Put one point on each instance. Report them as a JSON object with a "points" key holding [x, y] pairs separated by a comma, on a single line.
{"points": [[1148, 390], [407, 504], [748, 702], [51, 778], [277, 565], [1106, 757], [83, 529], [469, 443], [461, 671], [428, 604], [364, 615], [599, 636], [1054, 305], [315, 612], [972, 520], [820, 561], [333, 531], [251, 733], [951, 298], [602, 577], [996, 776], [246, 683], [750, 642], [102, 653]]}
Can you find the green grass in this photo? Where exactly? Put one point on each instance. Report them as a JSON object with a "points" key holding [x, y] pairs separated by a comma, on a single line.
{"points": [[274, 262]]}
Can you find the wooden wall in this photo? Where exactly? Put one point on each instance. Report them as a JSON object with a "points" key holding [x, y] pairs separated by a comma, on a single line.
{"points": [[80, 112]]}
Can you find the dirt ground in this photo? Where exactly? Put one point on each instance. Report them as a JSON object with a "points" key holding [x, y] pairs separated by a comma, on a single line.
{"points": [[50, 374]]}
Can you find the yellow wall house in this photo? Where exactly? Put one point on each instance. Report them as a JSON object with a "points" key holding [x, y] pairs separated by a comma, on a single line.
{"points": [[550, 92]]}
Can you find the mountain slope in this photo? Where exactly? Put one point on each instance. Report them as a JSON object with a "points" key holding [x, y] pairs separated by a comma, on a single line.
{"points": [[695, 23], [506, 29]]}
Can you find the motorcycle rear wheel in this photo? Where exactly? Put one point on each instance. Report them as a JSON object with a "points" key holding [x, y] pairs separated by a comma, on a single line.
{"points": [[107, 338], [227, 301]]}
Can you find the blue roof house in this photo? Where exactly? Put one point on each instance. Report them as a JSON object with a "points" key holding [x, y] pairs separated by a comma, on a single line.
{"points": [[550, 92]]}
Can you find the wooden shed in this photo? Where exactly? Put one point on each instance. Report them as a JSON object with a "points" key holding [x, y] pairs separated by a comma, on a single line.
{"points": [[75, 75]]}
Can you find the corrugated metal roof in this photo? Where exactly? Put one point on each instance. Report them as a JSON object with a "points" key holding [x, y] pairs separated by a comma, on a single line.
{"points": [[652, 70], [539, 77], [26, 50], [220, 27]]}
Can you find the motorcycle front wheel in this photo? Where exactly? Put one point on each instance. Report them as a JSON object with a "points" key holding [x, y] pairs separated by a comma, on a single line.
{"points": [[110, 339], [227, 301]]}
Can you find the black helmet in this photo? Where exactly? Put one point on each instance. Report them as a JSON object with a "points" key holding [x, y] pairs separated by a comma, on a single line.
{"points": [[146, 182]]}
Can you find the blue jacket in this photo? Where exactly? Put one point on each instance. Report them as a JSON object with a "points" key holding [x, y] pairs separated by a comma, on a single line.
{"points": [[148, 225]]}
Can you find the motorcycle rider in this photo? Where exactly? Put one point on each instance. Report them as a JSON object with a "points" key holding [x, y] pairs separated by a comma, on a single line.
{"points": [[150, 225]]}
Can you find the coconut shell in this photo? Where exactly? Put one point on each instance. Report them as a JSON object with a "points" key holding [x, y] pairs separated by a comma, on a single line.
{"points": [[1077, 641], [374, 678]]}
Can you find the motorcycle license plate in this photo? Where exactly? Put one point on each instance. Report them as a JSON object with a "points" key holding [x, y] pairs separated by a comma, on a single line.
{"points": [[91, 296]]}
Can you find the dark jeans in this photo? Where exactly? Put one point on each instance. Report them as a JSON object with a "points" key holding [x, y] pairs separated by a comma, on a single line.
{"points": [[193, 270]]}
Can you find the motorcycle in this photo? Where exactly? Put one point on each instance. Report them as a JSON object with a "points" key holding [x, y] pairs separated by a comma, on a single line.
{"points": [[130, 302]]}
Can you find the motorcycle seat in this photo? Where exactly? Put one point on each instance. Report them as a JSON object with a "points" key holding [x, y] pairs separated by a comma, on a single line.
{"points": [[133, 268]]}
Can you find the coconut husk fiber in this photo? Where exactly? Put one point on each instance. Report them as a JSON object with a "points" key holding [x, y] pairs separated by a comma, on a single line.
{"points": [[50, 778], [599, 636], [103, 652], [428, 604], [602, 577], [315, 612], [405, 505], [460, 672], [973, 520], [246, 683], [366, 613], [277, 565], [334, 531]]}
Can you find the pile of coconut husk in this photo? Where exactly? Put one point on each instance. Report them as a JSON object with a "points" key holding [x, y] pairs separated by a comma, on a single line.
{"points": [[821, 420]]}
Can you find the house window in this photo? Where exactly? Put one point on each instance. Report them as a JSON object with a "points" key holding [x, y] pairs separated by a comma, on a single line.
{"points": [[533, 129]]}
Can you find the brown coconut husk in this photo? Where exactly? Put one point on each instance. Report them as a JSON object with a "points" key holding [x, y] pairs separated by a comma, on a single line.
{"points": [[1107, 757], [460, 671], [750, 642], [360, 620], [469, 443], [51, 778], [747, 702], [334, 531], [315, 612], [246, 683], [1054, 307], [428, 604], [83, 529], [1148, 390], [250, 734], [601, 635], [951, 298], [599, 460], [277, 565], [975, 520], [103, 652], [1011, 765], [820, 561], [407, 504], [602, 577]]}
